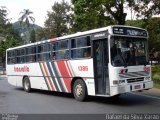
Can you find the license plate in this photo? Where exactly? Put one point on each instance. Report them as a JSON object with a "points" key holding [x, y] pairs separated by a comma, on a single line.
{"points": [[137, 87]]}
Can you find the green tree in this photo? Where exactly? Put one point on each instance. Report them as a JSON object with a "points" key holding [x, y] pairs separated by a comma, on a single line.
{"points": [[8, 42], [91, 14], [3, 20], [3, 14], [153, 29], [8, 37], [26, 17], [33, 36], [40, 34], [136, 23], [25, 22], [58, 22], [146, 9]]}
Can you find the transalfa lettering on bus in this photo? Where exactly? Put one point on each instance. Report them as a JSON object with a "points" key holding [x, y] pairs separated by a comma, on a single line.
{"points": [[21, 69], [83, 68]]}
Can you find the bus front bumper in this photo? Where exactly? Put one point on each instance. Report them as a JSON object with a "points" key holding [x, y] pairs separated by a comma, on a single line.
{"points": [[114, 90]]}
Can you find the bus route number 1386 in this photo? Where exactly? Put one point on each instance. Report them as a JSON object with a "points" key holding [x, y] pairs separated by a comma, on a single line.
{"points": [[83, 68]]}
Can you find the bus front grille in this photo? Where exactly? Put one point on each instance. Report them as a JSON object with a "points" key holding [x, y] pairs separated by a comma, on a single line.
{"points": [[134, 74], [135, 80]]}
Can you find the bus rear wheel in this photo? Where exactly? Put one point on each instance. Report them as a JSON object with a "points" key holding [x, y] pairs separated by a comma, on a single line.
{"points": [[26, 84], [80, 90]]}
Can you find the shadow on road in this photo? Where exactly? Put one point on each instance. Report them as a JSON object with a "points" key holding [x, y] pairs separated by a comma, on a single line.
{"points": [[45, 92], [127, 99]]}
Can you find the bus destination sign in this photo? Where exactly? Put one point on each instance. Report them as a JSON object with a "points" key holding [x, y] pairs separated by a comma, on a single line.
{"points": [[99, 35], [129, 31]]}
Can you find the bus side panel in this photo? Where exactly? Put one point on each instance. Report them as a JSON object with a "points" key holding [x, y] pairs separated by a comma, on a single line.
{"points": [[13, 80], [15, 74], [84, 69], [53, 76]]}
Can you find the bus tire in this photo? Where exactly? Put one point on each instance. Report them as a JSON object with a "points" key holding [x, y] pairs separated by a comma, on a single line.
{"points": [[26, 84], [80, 90]]}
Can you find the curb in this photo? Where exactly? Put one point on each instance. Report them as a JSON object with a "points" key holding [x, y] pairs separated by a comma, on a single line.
{"points": [[152, 92]]}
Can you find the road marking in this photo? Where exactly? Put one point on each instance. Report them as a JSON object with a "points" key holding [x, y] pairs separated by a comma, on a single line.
{"points": [[147, 96]]}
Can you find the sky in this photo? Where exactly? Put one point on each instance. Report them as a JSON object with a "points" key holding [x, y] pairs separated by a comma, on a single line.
{"points": [[38, 7]]}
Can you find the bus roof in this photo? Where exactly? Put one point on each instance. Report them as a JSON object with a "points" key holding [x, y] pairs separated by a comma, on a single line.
{"points": [[74, 35]]}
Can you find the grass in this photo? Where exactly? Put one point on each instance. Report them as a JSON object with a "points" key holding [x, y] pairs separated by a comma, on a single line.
{"points": [[156, 80], [156, 85], [156, 76]]}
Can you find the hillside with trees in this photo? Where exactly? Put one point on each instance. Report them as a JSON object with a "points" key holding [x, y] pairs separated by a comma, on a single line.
{"points": [[25, 32]]}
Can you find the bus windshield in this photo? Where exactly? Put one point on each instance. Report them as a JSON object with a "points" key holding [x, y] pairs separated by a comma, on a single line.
{"points": [[128, 51]]}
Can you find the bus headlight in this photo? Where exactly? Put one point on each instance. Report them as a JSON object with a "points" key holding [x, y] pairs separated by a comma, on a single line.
{"points": [[115, 82], [147, 78], [121, 81]]}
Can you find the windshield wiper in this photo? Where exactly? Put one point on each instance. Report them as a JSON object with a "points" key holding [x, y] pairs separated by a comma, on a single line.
{"points": [[124, 62]]}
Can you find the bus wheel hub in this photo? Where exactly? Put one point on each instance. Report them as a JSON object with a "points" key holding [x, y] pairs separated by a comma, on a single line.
{"points": [[78, 90]]}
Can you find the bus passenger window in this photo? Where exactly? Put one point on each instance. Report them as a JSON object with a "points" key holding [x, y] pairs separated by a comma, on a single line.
{"points": [[40, 49], [46, 56], [81, 42], [73, 43], [73, 54], [87, 53], [53, 57]]}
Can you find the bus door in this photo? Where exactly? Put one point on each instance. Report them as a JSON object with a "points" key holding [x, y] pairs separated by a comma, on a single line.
{"points": [[100, 60]]}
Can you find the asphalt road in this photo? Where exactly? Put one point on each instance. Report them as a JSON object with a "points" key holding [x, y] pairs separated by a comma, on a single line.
{"points": [[15, 100]]}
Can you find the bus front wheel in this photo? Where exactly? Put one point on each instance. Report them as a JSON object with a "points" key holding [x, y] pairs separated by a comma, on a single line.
{"points": [[80, 90], [26, 84]]}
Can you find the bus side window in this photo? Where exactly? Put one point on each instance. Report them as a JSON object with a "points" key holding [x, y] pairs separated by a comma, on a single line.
{"points": [[34, 54], [87, 52], [46, 47], [53, 49], [9, 57], [53, 57], [73, 51], [82, 42], [22, 53], [62, 48], [26, 53], [46, 52], [81, 47], [40, 48], [46, 56], [30, 54], [39, 52], [73, 43], [17, 56]]}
